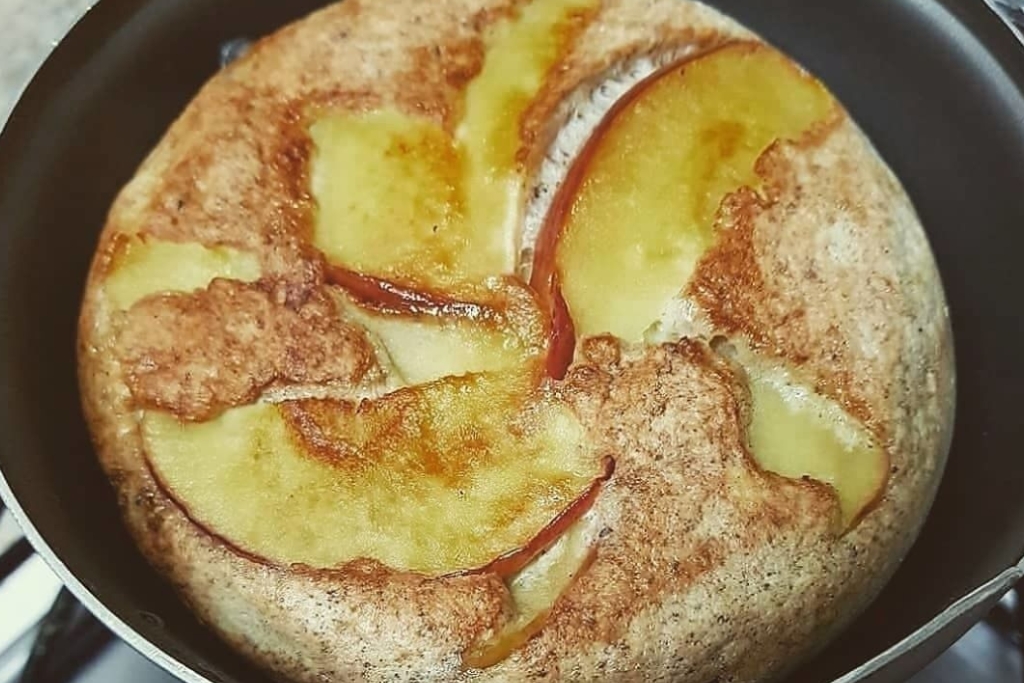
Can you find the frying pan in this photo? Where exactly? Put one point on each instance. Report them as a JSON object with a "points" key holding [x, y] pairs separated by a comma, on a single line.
{"points": [[937, 84]]}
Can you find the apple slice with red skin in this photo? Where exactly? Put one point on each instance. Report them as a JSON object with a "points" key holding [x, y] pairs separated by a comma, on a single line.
{"points": [[475, 473], [390, 297], [514, 561], [636, 210], [420, 337], [528, 624], [505, 566], [544, 280], [636, 213]]}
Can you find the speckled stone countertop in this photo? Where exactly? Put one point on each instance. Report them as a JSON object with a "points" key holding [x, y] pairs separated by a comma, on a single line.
{"points": [[28, 31]]}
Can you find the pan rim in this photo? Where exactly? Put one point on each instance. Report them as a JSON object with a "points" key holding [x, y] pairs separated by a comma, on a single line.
{"points": [[26, 96], [1001, 41]]}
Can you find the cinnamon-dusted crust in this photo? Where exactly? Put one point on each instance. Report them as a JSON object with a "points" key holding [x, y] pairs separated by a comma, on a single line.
{"points": [[706, 568], [195, 355]]}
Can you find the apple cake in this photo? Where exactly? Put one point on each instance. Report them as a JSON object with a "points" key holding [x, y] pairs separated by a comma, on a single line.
{"points": [[518, 340]]}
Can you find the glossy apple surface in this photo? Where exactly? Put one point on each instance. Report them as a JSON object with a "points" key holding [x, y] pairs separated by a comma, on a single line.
{"points": [[404, 198], [438, 478], [140, 265], [798, 433], [636, 211]]}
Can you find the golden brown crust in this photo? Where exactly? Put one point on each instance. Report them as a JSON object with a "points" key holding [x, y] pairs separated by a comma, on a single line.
{"points": [[790, 276], [234, 172], [197, 354], [705, 566], [680, 411]]}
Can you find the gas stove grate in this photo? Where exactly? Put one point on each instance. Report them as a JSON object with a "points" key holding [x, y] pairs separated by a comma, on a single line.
{"points": [[62, 642]]}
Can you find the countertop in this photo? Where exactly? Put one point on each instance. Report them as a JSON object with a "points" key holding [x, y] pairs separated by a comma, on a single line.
{"points": [[28, 31]]}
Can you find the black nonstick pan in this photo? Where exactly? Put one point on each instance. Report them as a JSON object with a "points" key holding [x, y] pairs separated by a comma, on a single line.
{"points": [[937, 84]]}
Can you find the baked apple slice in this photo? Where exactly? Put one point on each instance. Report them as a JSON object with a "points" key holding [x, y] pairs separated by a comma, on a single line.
{"points": [[798, 433], [403, 199], [418, 350], [637, 212], [425, 336], [637, 209], [518, 57], [535, 589], [440, 478], [139, 265], [387, 188]]}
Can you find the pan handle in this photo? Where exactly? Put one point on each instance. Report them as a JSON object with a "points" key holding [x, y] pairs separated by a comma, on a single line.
{"points": [[1012, 13], [915, 651]]}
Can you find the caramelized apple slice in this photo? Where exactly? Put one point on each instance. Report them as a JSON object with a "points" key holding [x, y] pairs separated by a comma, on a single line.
{"points": [[519, 53], [402, 199], [436, 479], [535, 590], [389, 204], [798, 433], [140, 266], [500, 330], [637, 209], [421, 350]]}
